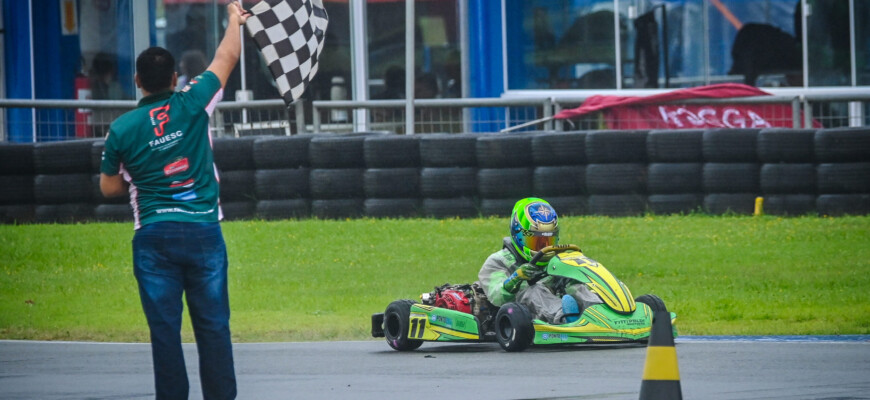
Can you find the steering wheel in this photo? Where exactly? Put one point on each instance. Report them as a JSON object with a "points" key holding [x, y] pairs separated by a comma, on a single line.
{"points": [[559, 248]]}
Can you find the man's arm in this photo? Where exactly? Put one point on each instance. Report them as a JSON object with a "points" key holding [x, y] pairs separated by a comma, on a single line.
{"points": [[227, 54], [112, 185]]}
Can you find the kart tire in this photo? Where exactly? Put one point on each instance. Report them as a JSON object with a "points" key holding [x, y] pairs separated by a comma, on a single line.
{"points": [[397, 317], [513, 327], [654, 302]]}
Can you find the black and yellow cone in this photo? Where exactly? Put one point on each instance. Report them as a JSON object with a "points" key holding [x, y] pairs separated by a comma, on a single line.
{"points": [[661, 376]]}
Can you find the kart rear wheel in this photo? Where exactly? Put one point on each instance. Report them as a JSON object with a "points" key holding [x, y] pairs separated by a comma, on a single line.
{"points": [[654, 302], [513, 327], [397, 317]]}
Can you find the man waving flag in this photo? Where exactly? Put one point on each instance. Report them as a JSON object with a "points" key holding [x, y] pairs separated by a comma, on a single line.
{"points": [[290, 34]]}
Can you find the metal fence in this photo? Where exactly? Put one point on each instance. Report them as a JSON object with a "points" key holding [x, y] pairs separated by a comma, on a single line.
{"points": [[45, 120]]}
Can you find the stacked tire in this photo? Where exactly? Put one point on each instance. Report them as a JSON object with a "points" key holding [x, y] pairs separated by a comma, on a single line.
{"points": [[505, 173], [336, 178], [843, 174], [281, 181], [63, 187], [560, 170], [675, 170], [616, 176], [788, 173], [16, 178], [236, 170], [448, 178], [731, 171], [391, 181]]}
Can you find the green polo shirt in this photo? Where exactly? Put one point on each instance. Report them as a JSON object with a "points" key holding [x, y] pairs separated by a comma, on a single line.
{"points": [[163, 150]]}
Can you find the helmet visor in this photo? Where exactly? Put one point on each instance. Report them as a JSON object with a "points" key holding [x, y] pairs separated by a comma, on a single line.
{"points": [[539, 240]]}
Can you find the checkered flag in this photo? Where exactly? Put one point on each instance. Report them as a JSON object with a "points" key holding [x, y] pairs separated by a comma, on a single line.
{"points": [[290, 34]]}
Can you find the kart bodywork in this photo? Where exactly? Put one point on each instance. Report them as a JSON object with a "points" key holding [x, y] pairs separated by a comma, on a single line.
{"points": [[461, 313]]}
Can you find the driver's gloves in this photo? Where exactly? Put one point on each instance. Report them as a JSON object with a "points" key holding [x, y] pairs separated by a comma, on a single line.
{"points": [[523, 273]]}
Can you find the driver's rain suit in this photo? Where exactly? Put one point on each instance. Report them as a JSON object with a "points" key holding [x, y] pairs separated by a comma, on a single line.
{"points": [[543, 299]]}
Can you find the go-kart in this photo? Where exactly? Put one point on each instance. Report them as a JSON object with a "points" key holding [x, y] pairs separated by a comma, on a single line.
{"points": [[462, 313]]}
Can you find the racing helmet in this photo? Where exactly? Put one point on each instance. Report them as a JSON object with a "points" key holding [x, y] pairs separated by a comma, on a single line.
{"points": [[534, 225]]}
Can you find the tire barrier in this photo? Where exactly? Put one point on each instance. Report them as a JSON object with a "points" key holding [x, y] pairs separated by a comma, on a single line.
{"points": [[73, 156], [337, 208], [684, 203], [280, 184], [448, 182], [392, 208], [684, 146], [666, 178], [730, 145], [616, 178], [503, 150], [283, 209], [612, 173], [460, 207], [777, 145], [731, 178], [399, 151], [616, 147], [337, 151], [231, 154], [17, 159], [498, 183], [343, 183], [789, 204], [788, 178], [562, 180], [842, 145], [844, 178], [559, 148], [384, 183], [570, 205], [444, 150], [281, 152]]}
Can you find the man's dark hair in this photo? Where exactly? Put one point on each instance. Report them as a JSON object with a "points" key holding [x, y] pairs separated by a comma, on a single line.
{"points": [[155, 67]]}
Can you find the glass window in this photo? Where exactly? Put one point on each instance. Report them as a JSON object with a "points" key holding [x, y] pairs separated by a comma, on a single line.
{"points": [[829, 44], [437, 59], [862, 42], [565, 44]]}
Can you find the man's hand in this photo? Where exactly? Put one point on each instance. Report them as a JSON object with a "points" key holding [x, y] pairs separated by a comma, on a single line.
{"points": [[523, 273], [237, 14], [529, 271]]}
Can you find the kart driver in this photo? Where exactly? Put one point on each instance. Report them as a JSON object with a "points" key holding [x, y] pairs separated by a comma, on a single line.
{"points": [[505, 274]]}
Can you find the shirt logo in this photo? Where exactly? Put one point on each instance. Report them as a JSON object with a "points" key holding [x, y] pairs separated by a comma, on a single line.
{"points": [[179, 165], [186, 196], [186, 184], [159, 118]]}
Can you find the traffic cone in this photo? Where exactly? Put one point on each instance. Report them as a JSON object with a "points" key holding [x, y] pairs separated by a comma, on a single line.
{"points": [[661, 376]]}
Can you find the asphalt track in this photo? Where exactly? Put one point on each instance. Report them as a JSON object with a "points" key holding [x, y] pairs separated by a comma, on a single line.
{"points": [[830, 368]]}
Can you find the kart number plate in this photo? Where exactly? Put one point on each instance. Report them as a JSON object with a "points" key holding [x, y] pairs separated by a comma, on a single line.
{"points": [[417, 326]]}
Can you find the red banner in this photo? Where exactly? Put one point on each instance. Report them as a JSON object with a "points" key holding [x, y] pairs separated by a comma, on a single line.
{"points": [[660, 111]]}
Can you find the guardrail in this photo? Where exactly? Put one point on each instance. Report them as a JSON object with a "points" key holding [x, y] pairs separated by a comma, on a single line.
{"points": [[67, 119]]}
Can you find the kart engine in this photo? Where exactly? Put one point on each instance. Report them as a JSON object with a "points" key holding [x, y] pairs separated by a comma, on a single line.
{"points": [[454, 300], [468, 298]]}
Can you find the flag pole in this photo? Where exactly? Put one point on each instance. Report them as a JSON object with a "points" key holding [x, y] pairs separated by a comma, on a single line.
{"points": [[527, 124], [409, 67], [244, 81]]}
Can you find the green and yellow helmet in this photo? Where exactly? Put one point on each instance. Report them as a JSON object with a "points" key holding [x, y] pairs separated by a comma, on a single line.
{"points": [[534, 225]]}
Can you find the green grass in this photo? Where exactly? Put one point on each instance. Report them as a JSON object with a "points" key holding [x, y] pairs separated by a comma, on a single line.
{"points": [[321, 280]]}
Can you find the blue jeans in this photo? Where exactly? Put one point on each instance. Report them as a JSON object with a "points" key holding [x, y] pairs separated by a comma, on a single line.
{"points": [[171, 258]]}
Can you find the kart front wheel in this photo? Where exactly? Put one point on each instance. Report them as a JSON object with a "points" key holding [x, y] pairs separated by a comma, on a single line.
{"points": [[513, 327], [396, 321]]}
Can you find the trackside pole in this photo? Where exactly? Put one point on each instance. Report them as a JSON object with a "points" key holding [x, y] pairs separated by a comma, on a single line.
{"points": [[661, 376]]}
